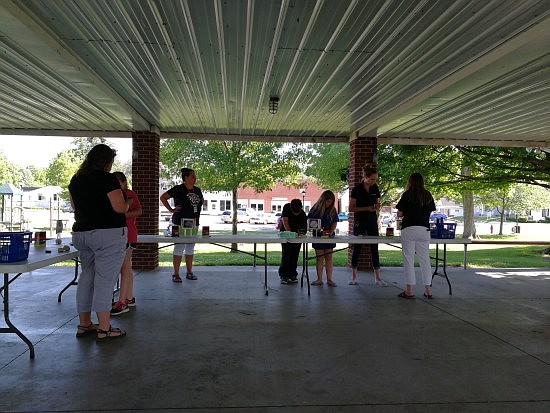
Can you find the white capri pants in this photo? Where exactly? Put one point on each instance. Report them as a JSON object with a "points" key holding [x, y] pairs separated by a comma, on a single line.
{"points": [[180, 249], [416, 239]]}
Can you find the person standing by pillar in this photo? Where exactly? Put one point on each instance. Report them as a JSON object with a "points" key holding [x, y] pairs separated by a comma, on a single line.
{"points": [[188, 200], [365, 204]]}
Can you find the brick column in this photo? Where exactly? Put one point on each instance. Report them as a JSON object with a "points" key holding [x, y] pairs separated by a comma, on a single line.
{"points": [[145, 181], [362, 153]]}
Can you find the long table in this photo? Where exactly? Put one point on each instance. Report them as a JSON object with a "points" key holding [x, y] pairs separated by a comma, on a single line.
{"points": [[38, 258], [440, 260], [220, 240]]}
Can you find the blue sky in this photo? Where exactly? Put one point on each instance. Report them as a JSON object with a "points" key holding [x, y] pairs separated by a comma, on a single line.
{"points": [[40, 150]]}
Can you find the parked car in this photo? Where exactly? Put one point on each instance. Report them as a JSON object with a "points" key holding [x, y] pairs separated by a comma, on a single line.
{"points": [[437, 215], [242, 216], [226, 217], [258, 218], [272, 217], [343, 216]]}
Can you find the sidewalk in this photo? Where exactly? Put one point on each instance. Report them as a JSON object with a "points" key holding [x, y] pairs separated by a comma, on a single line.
{"points": [[220, 344]]}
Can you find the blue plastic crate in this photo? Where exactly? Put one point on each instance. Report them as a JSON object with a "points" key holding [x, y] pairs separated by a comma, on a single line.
{"points": [[14, 246], [443, 230]]}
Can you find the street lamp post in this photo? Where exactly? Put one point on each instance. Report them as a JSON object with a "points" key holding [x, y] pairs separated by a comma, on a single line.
{"points": [[303, 192]]}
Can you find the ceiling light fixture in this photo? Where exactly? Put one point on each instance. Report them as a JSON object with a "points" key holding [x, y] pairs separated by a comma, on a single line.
{"points": [[273, 105]]}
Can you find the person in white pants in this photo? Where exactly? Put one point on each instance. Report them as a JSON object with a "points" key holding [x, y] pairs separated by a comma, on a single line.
{"points": [[415, 206]]}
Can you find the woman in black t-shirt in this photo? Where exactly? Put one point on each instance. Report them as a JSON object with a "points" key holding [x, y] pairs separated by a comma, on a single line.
{"points": [[415, 206], [100, 235], [365, 203], [188, 200]]}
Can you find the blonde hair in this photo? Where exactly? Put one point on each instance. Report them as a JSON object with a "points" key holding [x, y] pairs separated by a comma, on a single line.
{"points": [[320, 207]]}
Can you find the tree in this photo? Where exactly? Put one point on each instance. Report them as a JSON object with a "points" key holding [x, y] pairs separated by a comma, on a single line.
{"points": [[32, 176], [230, 165], [498, 199], [83, 145], [504, 165], [61, 169], [9, 174], [328, 164]]}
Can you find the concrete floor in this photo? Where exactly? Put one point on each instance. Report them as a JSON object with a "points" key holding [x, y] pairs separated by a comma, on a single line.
{"points": [[220, 344]]}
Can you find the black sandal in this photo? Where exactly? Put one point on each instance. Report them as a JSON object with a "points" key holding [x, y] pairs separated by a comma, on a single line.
{"points": [[405, 295], [176, 278], [86, 330], [108, 334], [191, 276]]}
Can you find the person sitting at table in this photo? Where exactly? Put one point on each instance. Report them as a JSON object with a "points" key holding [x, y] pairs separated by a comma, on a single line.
{"points": [[293, 219], [126, 297], [188, 200], [324, 210], [100, 236], [415, 206]]}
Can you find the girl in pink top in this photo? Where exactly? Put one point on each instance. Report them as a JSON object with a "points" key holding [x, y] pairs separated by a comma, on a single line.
{"points": [[126, 294]]}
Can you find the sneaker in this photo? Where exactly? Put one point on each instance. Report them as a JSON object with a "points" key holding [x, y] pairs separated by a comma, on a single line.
{"points": [[293, 281], [284, 280], [119, 308], [381, 283], [132, 302]]}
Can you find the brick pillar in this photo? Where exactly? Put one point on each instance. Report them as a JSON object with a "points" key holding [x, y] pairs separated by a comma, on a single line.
{"points": [[145, 181], [362, 153]]}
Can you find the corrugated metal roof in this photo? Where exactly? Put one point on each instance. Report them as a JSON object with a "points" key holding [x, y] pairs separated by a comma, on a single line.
{"points": [[407, 71]]}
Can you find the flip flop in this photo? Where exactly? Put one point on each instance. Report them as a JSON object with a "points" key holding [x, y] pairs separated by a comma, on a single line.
{"points": [[404, 295], [317, 282], [428, 296]]}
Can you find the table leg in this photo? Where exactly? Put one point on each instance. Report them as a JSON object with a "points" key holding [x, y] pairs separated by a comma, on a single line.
{"points": [[265, 266], [305, 270], [443, 265], [11, 328], [73, 282]]}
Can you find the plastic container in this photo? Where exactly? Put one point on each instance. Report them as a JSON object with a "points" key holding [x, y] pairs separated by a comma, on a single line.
{"points": [[287, 234], [14, 246], [443, 230]]}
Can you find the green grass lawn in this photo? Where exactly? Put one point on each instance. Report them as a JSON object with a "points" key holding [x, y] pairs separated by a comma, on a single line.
{"points": [[508, 257]]}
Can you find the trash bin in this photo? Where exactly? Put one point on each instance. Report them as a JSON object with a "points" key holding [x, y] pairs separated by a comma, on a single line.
{"points": [[515, 229]]}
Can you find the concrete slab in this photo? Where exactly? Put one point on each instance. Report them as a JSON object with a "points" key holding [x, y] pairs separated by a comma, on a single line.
{"points": [[219, 343]]}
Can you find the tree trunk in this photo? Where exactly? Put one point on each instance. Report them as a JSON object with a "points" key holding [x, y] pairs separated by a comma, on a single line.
{"points": [[468, 205], [469, 224]]}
